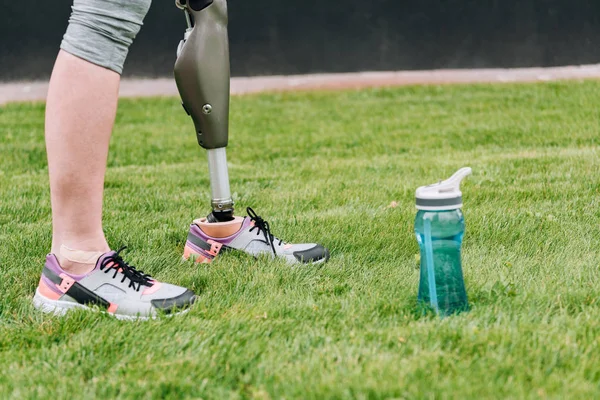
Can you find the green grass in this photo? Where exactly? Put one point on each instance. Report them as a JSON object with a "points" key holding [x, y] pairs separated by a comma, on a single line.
{"points": [[324, 167]]}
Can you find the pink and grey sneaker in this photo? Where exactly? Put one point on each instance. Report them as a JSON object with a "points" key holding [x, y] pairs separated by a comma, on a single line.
{"points": [[252, 235], [113, 286]]}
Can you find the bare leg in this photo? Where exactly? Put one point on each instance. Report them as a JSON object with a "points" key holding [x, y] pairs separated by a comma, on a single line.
{"points": [[80, 113]]}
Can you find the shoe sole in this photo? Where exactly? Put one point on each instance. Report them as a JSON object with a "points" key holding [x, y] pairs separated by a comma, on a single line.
{"points": [[189, 253], [61, 308], [321, 261]]}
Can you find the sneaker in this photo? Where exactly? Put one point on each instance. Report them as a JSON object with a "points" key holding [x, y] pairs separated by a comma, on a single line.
{"points": [[253, 237], [113, 286]]}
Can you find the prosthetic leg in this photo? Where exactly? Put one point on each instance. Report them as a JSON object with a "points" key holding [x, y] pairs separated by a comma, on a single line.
{"points": [[202, 77]]}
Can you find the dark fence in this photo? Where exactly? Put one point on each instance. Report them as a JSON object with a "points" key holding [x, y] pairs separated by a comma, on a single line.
{"points": [[293, 36]]}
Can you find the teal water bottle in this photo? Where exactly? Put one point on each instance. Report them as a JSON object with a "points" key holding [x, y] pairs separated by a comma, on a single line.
{"points": [[440, 227]]}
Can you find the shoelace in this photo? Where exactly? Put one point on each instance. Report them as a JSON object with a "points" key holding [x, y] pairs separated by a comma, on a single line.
{"points": [[263, 226], [129, 271]]}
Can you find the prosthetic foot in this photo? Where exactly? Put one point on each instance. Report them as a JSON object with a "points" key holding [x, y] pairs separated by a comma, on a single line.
{"points": [[251, 235], [202, 77]]}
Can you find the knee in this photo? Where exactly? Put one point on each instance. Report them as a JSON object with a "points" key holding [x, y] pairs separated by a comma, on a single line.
{"points": [[101, 31]]}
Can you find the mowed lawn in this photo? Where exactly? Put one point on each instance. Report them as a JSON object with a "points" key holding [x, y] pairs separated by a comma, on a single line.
{"points": [[326, 167]]}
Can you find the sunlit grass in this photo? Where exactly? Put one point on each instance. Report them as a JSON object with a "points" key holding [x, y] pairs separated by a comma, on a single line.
{"points": [[325, 167]]}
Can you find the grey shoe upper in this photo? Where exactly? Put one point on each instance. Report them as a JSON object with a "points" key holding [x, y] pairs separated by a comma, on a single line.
{"points": [[116, 286]]}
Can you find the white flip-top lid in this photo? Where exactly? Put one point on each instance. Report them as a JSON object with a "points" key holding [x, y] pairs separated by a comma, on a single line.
{"points": [[444, 195]]}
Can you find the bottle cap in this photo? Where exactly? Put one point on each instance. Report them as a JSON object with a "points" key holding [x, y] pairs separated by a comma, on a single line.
{"points": [[444, 195]]}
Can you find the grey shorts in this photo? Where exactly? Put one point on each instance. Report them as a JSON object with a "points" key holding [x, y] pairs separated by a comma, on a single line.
{"points": [[101, 31]]}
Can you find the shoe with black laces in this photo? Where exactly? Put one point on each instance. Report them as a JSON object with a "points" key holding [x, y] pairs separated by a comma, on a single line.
{"points": [[251, 235], [112, 286]]}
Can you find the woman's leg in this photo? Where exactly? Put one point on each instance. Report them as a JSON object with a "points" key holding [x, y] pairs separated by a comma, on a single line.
{"points": [[80, 112]]}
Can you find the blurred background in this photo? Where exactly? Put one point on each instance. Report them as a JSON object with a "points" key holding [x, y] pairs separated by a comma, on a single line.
{"points": [[294, 37]]}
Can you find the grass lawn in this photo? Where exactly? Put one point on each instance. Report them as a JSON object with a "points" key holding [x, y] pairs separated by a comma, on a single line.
{"points": [[325, 167]]}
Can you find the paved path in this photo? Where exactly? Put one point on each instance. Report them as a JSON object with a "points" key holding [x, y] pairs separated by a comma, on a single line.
{"points": [[32, 91]]}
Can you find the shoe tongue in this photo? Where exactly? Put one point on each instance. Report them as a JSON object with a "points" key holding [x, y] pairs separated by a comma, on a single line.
{"points": [[104, 257]]}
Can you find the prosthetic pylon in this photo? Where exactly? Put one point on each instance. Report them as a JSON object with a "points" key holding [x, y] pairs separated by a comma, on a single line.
{"points": [[202, 77]]}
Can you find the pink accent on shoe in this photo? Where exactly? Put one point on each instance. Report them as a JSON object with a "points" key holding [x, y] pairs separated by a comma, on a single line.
{"points": [[187, 252], [201, 256], [215, 248], [112, 308], [66, 283], [288, 246], [152, 289], [110, 264], [46, 291]]}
